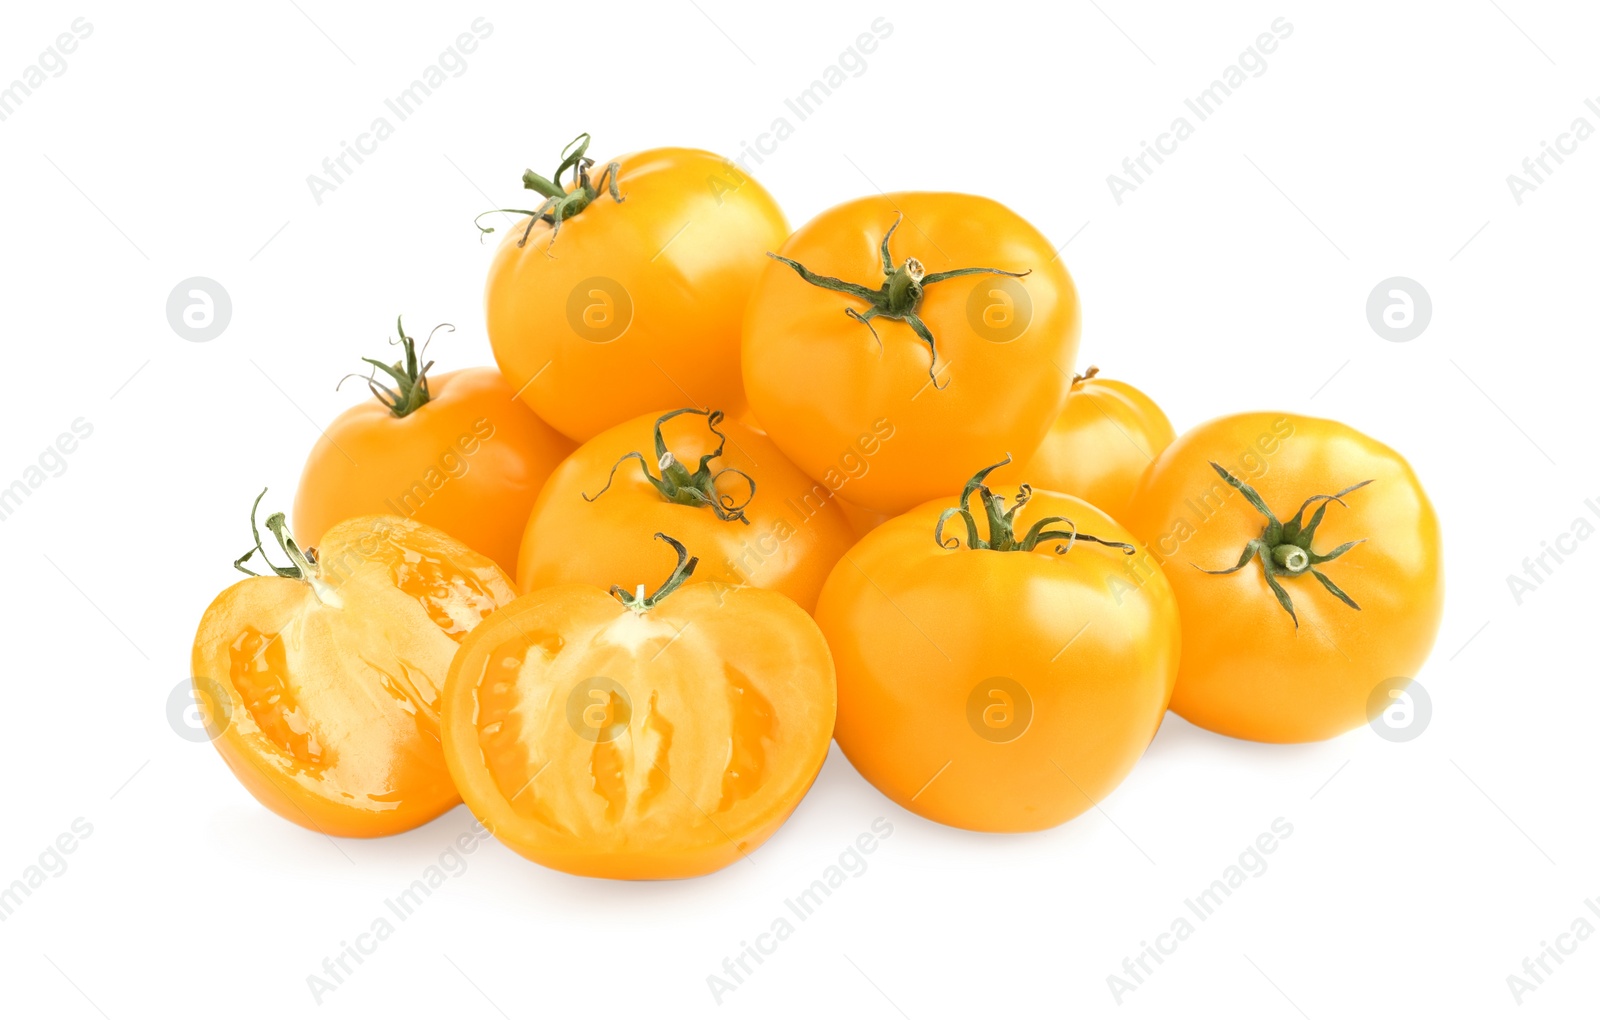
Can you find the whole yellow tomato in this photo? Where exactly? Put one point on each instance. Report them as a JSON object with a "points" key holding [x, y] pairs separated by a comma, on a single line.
{"points": [[456, 451], [990, 675], [1105, 437], [624, 294], [724, 489], [663, 737], [321, 683], [896, 340], [1305, 558]]}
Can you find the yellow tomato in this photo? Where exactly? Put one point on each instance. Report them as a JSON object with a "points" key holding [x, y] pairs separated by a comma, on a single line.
{"points": [[895, 341], [997, 678], [322, 683], [633, 301], [1098, 447], [456, 451], [722, 488], [1305, 558], [663, 737]]}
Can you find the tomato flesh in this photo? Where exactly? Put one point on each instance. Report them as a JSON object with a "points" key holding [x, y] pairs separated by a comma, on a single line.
{"points": [[327, 705], [605, 742]]}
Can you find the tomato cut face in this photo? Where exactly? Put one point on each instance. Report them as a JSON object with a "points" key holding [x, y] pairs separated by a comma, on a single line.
{"points": [[325, 689], [665, 743]]}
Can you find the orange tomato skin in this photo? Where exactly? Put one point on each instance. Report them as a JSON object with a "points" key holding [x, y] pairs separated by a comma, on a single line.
{"points": [[1247, 670], [1104, 438], [795, 535], [634, 305], [721, 704], [917, 631], [822, 386], [860, 519], [469, 462], [328, 711]]}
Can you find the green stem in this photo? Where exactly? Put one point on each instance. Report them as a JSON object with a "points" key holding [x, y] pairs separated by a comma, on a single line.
{"points": [[562, 202], [1002, 522], [408, 375], [899, 296], [1284, 547], [303, 562], [638, 601], [678, 484], [1290, 557]]}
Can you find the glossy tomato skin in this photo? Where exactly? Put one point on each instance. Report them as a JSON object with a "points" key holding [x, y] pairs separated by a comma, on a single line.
{"points": [[860, 519], [1247, 670], [795, 535], [634, 305], [326, 706], [665, 744], [469, 462], [996, 691], [1099, 446], [835, 400]]}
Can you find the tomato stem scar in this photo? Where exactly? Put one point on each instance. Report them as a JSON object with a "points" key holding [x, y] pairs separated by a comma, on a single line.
{"points": [[1284, 548], [898, 297], [1002, 522]]}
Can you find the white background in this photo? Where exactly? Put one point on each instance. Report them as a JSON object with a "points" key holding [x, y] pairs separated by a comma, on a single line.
{"points": [[1376, 143]]}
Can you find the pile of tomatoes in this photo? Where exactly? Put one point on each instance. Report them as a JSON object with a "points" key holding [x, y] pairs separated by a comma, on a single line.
{"points": [[735, 492]]}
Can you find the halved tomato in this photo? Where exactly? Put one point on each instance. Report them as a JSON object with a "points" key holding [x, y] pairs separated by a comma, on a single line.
{"points": [[630, 736], [323, 682]]}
